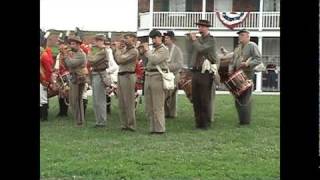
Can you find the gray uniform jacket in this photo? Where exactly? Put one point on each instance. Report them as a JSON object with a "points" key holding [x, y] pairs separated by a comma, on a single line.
{"points": [[204, 48], [242, 53], [176, 59], [158, 56]]}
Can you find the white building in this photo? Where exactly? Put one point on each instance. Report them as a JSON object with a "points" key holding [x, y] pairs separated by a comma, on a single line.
{"points": [[263, 21]]}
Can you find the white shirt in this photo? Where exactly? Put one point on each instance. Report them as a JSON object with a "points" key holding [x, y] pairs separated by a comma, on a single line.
{"points": [[113, 68], [56, 66]]}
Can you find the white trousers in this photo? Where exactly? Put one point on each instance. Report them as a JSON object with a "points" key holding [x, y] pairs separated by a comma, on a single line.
{"points": [[43, 95]]}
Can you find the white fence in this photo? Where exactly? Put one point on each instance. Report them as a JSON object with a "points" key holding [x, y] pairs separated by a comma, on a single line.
{"points": [[186, 20]]}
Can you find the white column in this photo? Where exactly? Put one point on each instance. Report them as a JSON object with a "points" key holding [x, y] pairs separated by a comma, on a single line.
{"points": [[203, 15], [259, 74], [151, 15], [109, 34], [150, 20], [260, 15]]}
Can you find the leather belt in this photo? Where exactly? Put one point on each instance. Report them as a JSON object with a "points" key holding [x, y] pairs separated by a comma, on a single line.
{"points": [[156, 70], [98, 70], [126, 72]]}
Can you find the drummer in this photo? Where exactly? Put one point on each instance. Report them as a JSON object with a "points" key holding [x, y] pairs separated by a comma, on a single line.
{"points": [[245, 50]]}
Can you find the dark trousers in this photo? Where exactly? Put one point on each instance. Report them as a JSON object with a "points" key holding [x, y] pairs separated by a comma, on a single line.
{"points": [[44, 112], [108, 104], [201, 98], [85, 103], [243, 106], [63, 108], [272, 79]]}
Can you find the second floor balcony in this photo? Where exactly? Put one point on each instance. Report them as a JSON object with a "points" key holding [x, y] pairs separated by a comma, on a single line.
{"points": [[263, 21]]}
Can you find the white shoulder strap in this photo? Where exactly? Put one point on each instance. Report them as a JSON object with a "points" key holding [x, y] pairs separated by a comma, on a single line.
{"points": [[160, 70]]}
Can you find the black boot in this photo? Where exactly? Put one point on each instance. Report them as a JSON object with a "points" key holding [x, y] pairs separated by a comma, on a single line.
{"points": [[85, 102], [44, 112], [108, 104]]}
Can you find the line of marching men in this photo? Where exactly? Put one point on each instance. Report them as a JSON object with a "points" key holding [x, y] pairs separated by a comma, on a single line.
{"points": [[112, 63], [120, 59]]}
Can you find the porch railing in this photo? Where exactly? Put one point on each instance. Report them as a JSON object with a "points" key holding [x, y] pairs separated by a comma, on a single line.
{"points": [[186, 20]]}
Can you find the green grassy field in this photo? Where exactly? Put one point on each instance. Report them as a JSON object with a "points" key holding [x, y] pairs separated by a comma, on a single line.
{"points": [[224, 152]]}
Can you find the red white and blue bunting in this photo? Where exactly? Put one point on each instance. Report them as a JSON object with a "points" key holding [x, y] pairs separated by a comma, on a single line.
{"points": [[232, 19]]}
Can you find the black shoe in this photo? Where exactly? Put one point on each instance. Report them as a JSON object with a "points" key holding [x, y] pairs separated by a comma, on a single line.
{"points": [[157, 133], [201, 128], [244, 123], [99, 126], [128, 129], [80, 125]]}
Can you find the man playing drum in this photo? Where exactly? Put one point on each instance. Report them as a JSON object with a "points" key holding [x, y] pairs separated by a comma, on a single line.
{"points": [[246, 57], [61, 69]]}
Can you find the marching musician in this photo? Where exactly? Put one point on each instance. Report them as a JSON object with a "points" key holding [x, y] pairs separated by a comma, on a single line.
{"points": [[175, 64], [204, 69], [126, 57], [62, 70], [99, 63], [154, 90], [246, 57], [75, 61]]}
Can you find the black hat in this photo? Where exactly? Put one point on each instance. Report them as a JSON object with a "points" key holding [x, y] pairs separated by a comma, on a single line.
{"points": [[169, 33], [154, 33], [203, 22], [243, 30]]}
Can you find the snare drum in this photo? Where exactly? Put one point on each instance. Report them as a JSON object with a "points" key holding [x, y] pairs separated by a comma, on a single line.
{"points": [[238, 83]]}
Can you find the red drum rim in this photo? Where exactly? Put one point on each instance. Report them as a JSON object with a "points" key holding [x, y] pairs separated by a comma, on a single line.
{"points": [[234, 75]]}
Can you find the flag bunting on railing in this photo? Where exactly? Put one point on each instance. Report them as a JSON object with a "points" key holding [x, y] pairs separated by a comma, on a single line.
{"points": [[232, 19]]}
